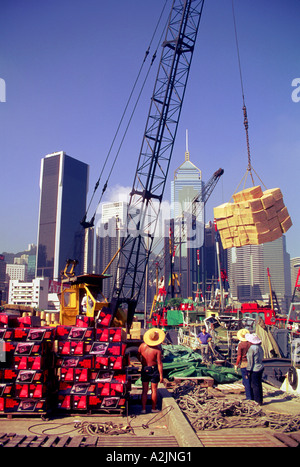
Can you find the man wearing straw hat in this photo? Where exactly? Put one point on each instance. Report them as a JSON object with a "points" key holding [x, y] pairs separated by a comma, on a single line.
{"points": [[150, 356], [241, 360]]}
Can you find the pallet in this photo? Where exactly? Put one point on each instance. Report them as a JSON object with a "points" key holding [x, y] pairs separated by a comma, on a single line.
{"points": [[44, 441], [13, 440], [202, 381], [222, 438]]}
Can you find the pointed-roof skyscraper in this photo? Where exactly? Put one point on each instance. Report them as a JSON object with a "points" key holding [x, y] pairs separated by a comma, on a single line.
{"points": [[185, 187]]}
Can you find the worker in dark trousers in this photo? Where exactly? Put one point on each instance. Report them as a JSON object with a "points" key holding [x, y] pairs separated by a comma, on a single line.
{"points": [[205, 340], [255, 367], [150, 355]]}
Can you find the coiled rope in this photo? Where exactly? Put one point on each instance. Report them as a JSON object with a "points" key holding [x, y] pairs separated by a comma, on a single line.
{"points": [[208, 413]]}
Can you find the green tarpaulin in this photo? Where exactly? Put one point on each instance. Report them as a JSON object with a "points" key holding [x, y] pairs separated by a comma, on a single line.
{"points": [[174, 317], [180, 361]]}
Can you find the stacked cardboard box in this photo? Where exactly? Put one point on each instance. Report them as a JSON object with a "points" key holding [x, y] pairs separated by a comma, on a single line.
{"points": [[26, 365], [90, 365], [253, 218]]}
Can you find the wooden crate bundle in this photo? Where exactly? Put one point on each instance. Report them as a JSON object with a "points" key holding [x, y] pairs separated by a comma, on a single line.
{"points": [[253, 218], [135, 330]]}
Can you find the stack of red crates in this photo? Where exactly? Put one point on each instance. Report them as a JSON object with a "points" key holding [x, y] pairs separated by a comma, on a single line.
{"points": [[26, 364], [90, 365]]}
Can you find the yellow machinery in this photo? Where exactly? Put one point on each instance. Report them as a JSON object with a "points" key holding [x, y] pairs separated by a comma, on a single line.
{"points": [[80, 295]]}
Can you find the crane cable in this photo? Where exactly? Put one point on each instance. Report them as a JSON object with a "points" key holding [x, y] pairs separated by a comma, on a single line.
{"points": [[83, 222], [246, 123]]}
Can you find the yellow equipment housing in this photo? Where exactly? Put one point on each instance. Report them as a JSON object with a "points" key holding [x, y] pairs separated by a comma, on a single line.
{"points": [[74, 289]]}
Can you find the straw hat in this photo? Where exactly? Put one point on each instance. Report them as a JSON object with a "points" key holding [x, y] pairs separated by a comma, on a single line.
{"points": [[154, 336], [253, 338], [241, 334]]}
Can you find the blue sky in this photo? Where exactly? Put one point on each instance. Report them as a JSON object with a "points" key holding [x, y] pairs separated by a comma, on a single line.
{"points": [[69, 67]]}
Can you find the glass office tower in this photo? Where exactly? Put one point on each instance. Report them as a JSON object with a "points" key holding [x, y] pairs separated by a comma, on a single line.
{"points": [[63, 192], [186, 186]]}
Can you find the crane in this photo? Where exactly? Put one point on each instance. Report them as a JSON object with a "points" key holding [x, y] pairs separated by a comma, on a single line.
{"points": [[156, 151], [208, 189]]}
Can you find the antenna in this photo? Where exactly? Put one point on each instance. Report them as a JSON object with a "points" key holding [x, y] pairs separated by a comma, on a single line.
{"points": [[187, 154]]}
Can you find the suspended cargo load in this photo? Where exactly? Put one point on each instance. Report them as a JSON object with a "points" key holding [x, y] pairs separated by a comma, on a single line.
{"points": [[255, 217]]}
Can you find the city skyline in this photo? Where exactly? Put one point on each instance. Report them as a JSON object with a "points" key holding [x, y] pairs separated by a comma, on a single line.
{"points": [[67, 92]]}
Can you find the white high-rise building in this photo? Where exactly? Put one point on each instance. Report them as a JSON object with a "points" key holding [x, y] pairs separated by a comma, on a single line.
{"points": [[34, 294], [16, 272], [109, 234]]}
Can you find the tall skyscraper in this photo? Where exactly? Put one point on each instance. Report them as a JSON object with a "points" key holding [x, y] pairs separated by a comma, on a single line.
{"points": [[63, 192], [248, 276], [246, 272], [186, 186]]}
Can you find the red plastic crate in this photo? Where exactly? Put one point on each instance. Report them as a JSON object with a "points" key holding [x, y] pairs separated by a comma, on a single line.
{"points": [[33, 390], [12, 404], [74, 374], [110, 334], [74, 333], [85, 361], [108, 363], [104, 318], [36, 362], [98, 403]]}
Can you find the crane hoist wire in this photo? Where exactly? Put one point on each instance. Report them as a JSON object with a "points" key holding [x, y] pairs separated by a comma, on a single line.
{"points": [[246, 123], [84, 223]]}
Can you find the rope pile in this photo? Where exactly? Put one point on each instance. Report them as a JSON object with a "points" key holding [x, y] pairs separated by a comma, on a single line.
{"points": [[107, 428], [208, 413]]}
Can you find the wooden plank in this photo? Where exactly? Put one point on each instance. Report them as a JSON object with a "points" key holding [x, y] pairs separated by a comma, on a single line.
{"points": [[287, 440], [217, 439], [25, 443], [76, 442], [4, 441], [51, 442], [38, 441], [15, 441], [137, 441], [62, 442], [296, 436], [90, 441]]}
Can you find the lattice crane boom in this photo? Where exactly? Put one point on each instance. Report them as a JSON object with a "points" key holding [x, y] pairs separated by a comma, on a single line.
{"points": [[156, 151]]}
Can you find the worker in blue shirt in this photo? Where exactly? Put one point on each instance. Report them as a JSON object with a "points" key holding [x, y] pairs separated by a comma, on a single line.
{"points": [[204, 339]]}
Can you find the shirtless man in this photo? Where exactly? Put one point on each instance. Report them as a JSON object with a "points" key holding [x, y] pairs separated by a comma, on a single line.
{"points": [[150, 355]]}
